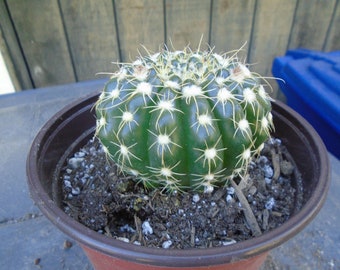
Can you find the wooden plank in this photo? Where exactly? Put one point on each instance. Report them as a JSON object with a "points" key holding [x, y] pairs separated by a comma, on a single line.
{"points": [[91, 32], [271, 31], [311, 23], [11, 52], [231, 25], [139, 23], [41, 34], [333, 39], [186, 23]]}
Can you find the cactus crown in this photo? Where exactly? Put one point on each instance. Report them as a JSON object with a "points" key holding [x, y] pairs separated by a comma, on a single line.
{"points": [[184, 119]]}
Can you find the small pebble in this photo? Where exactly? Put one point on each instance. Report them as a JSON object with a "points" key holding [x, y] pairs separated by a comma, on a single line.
{"points": [[75, 162], [270, 204], [228, 242], [268, 180], [123, 239], [75, 191], [180, 212], [166, 244], [208, 189], [67, 244], [229, 198], [286, 167], [79, 154], [252, 165], [230, 190], [196, 198], [127, 228], [262, 160], [277, 142], [271, 141], [37, 261], [268, 171], [67, 183], [146, 228]]}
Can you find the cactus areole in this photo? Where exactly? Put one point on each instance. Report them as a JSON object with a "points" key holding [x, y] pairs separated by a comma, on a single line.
{"points": [[183, 120]]}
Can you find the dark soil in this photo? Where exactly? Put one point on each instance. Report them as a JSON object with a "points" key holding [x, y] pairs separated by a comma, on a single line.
{"points": [[98, 196]]}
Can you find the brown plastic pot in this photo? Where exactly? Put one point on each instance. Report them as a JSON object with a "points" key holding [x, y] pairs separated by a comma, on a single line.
{"points": [[72, 126]]}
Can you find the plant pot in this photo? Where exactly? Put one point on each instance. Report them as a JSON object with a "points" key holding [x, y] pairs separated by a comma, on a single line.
{"points": [[74, 125]]}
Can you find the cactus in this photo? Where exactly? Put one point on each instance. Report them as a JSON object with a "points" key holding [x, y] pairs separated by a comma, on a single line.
{"points": [[183, 120]]}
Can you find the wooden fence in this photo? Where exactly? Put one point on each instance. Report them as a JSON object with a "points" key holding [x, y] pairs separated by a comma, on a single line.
{"points": [[49, 42]]}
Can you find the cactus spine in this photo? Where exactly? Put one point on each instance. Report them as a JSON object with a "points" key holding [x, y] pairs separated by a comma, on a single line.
{"points": [[183, 120]]}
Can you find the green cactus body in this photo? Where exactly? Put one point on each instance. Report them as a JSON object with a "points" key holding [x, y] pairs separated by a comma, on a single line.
{"points": [[183, 120]]}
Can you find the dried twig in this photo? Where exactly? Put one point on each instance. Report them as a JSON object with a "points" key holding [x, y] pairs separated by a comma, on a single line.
{"points": [[276, 164], [248, 213], [138, 225], [192, 236]]}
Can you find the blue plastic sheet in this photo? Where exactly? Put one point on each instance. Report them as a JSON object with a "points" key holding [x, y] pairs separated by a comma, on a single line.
{"points": [[311, 83]]}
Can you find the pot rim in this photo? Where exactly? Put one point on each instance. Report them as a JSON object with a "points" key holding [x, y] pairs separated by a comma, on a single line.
{"points": [[175, 257]]}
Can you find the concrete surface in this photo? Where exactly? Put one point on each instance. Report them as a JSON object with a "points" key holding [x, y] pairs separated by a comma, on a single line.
{"points": [[29, 241]]}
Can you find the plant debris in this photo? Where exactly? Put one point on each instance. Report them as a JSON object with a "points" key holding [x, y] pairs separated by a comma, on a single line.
{"points": [[67, 244], [97, 195]]}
